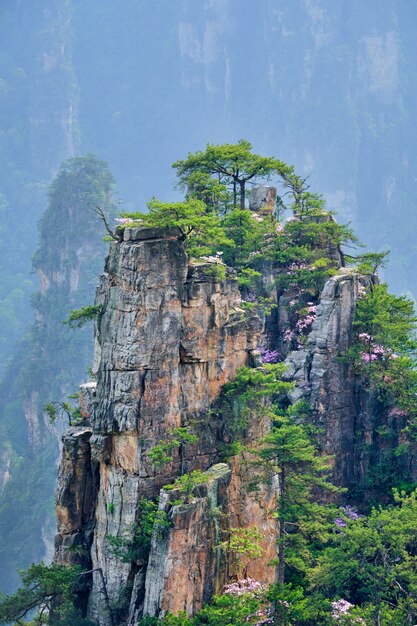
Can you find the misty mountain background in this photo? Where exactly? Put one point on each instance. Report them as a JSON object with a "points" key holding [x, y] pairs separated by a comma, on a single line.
{"points": [[328, 85]]}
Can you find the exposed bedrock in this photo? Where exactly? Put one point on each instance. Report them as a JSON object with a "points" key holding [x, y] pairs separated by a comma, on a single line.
{"points": [[168, 338]]}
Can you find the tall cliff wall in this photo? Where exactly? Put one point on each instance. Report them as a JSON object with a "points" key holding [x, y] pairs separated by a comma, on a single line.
{"points": [[169, 336], [168, 339]]}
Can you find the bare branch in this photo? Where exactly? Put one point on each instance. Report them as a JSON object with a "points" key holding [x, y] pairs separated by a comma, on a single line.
{"points": [[100, 212]]}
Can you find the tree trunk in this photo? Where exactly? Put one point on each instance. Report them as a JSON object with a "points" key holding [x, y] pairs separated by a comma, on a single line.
{"points": [[242, 194], [281, 557], [281, 545], [279, 570]]}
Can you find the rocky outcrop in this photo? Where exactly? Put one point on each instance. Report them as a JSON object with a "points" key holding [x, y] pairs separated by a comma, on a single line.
{"points": [[168, 338], [325, 379], [194, 549], [353, 426], [262, 198], [75, 498], [188, 550]]}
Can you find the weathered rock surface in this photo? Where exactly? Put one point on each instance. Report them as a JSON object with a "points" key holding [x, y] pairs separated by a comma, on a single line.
{"points": [[75, 498], [188, 551], [168, 338], [345, 410], [262, 198]]}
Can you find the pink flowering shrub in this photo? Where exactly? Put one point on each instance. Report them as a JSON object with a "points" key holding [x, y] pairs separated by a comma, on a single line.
{"points": [[245, 585], [303, 325], [340, 612], [125, 220], [374, 350], [340, 607], [397, 412], [349, 513], [385, 349]]}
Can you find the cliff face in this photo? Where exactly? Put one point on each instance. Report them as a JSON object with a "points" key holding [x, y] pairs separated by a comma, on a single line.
{"points": [[326, 381], [348, 414], [168, 338]]}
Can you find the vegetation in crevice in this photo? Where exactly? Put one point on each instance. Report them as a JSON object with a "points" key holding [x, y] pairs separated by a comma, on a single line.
{"points": [[135, 544], [79, 317]]}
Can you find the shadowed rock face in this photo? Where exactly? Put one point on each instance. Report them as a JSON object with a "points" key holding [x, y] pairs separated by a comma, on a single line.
{"points": [[324, 379], [263, 199], [344, 408]]}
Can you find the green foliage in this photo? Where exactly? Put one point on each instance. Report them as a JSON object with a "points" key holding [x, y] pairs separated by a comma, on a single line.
{"points": [[135, 544], [309, 248], [229, 450], [196, 224], [187, 483], [80, 182], [287, 454], [225, 610], [51, 358], [59, 410], [215, 195], [248, 277], [296, 606], [79, 317], [170, 620], [373, 562], [290, 454], [252, 238], [217, 270], [230, 610], [243, 545], [368, 263], [231, 166], [177, 438], [251, 387], [44, 587], [254, 383], [385, 349], [389, 319]]}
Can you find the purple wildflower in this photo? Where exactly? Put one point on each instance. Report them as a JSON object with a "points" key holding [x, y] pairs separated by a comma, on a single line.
{"points": [[269, 356], [351, 512], [289, 334], [340, 522]]}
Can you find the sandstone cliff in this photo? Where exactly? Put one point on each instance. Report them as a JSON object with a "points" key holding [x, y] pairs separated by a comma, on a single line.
{"points": [[168, 339], [169, 336]]}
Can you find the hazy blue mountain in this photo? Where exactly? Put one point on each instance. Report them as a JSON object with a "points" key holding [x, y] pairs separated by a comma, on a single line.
{"points": [[37, 131], [329, 85]]}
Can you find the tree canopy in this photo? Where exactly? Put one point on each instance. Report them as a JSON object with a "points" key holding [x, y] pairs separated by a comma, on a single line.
{"points": [[226, 168]]}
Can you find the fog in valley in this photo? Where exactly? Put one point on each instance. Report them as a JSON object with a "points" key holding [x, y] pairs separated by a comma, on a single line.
{"points": [[130, 87]]}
